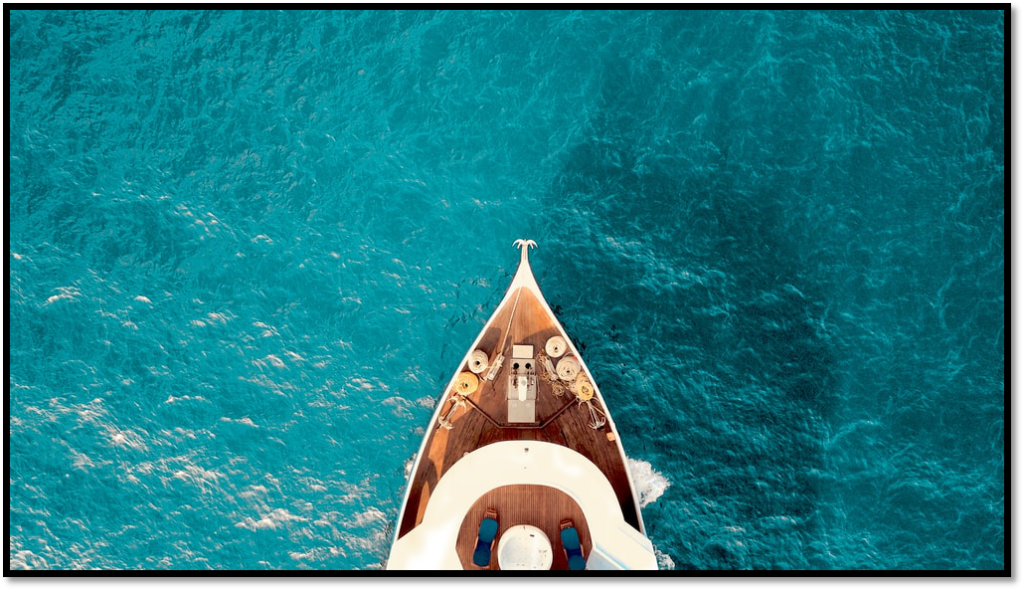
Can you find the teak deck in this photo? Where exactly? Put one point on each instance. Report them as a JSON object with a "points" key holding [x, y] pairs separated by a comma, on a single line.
{"points": [[560, 420]]}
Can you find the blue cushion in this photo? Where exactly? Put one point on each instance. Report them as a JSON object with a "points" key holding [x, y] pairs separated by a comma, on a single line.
{"points": [[482, 555], [570, 539], [488, 530], [484, 537], [576, 562], [571, 542]]}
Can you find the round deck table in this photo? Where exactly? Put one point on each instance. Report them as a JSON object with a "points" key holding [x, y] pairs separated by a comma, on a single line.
{"points": [[524, 547]]}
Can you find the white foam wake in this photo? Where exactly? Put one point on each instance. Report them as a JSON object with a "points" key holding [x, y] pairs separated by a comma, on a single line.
{"points": [[650, 484], [664, 561]]}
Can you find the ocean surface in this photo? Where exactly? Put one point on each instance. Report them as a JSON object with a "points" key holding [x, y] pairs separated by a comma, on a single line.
{"points": [[248, 249]]}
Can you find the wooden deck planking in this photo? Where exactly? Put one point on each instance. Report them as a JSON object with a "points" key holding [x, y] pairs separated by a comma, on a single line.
{"points": [[472, 429], [543, 507]]}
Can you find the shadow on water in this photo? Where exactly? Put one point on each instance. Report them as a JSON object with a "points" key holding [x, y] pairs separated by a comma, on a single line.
{"points": [[791, 296], [704, 329]]}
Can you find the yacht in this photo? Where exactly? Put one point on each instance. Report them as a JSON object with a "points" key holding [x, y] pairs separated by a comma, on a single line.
{"points": [[521, 467]]}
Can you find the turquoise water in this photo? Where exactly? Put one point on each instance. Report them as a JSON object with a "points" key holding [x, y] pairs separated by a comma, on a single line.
{"points": [[248, 249]]}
